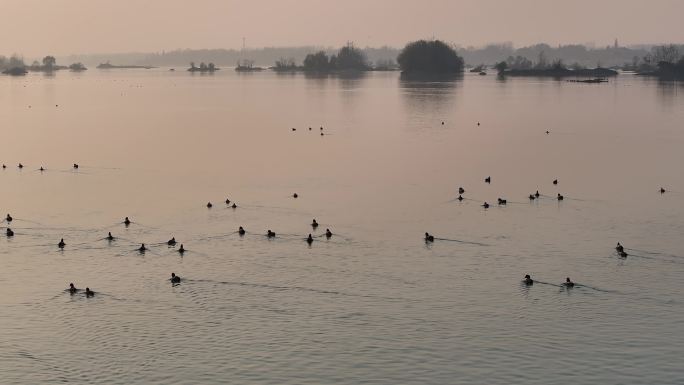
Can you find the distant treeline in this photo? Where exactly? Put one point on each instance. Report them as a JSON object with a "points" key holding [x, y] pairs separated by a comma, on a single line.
{"points": [[612, 56], [663, 60], [228, 57]]}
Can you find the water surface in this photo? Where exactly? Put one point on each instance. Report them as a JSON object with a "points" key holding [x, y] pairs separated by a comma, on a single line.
{"points": [[374, 304]]}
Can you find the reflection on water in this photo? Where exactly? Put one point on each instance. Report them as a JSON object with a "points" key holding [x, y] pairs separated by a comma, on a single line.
{"points": [[374, 302], [671, 92], [429, 97]]}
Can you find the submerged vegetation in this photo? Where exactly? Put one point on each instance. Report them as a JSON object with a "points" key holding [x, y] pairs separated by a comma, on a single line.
{"points": [[285, 65], [15, 65], [521, 66], [348, 58], [665, 61], [203, 67], [429, 57], [76, 67], [247, 66]]}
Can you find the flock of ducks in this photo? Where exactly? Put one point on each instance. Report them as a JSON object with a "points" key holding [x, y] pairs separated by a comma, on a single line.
{"points": [[175, 279], [310, 129], [429, 238]]}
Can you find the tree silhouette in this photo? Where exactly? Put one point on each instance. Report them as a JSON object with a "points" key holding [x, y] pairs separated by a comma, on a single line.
{"points": [[350, 58], [49, 62], [429, 57], [317, 62]]}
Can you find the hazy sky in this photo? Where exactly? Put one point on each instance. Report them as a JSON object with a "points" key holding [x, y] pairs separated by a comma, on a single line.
{"points": [[38, 27]]}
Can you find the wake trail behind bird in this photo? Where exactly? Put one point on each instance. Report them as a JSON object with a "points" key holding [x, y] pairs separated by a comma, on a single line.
{"points": [[283, 288], [461, 241]]}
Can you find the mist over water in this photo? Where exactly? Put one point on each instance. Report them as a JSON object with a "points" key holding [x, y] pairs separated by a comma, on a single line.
{"points": [[374, 303]]}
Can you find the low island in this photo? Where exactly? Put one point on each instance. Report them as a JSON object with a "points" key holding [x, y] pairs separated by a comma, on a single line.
{"points": [[348, 59], [520, 66], [16, 67], [203, 67], [107, 66]]}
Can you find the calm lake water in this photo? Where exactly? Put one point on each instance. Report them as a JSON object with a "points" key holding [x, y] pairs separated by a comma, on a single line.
{"points": [[374, 304]]}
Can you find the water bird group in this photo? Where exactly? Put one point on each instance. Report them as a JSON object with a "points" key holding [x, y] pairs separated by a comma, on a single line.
{"points": [[528, 281], [73, 290]]}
